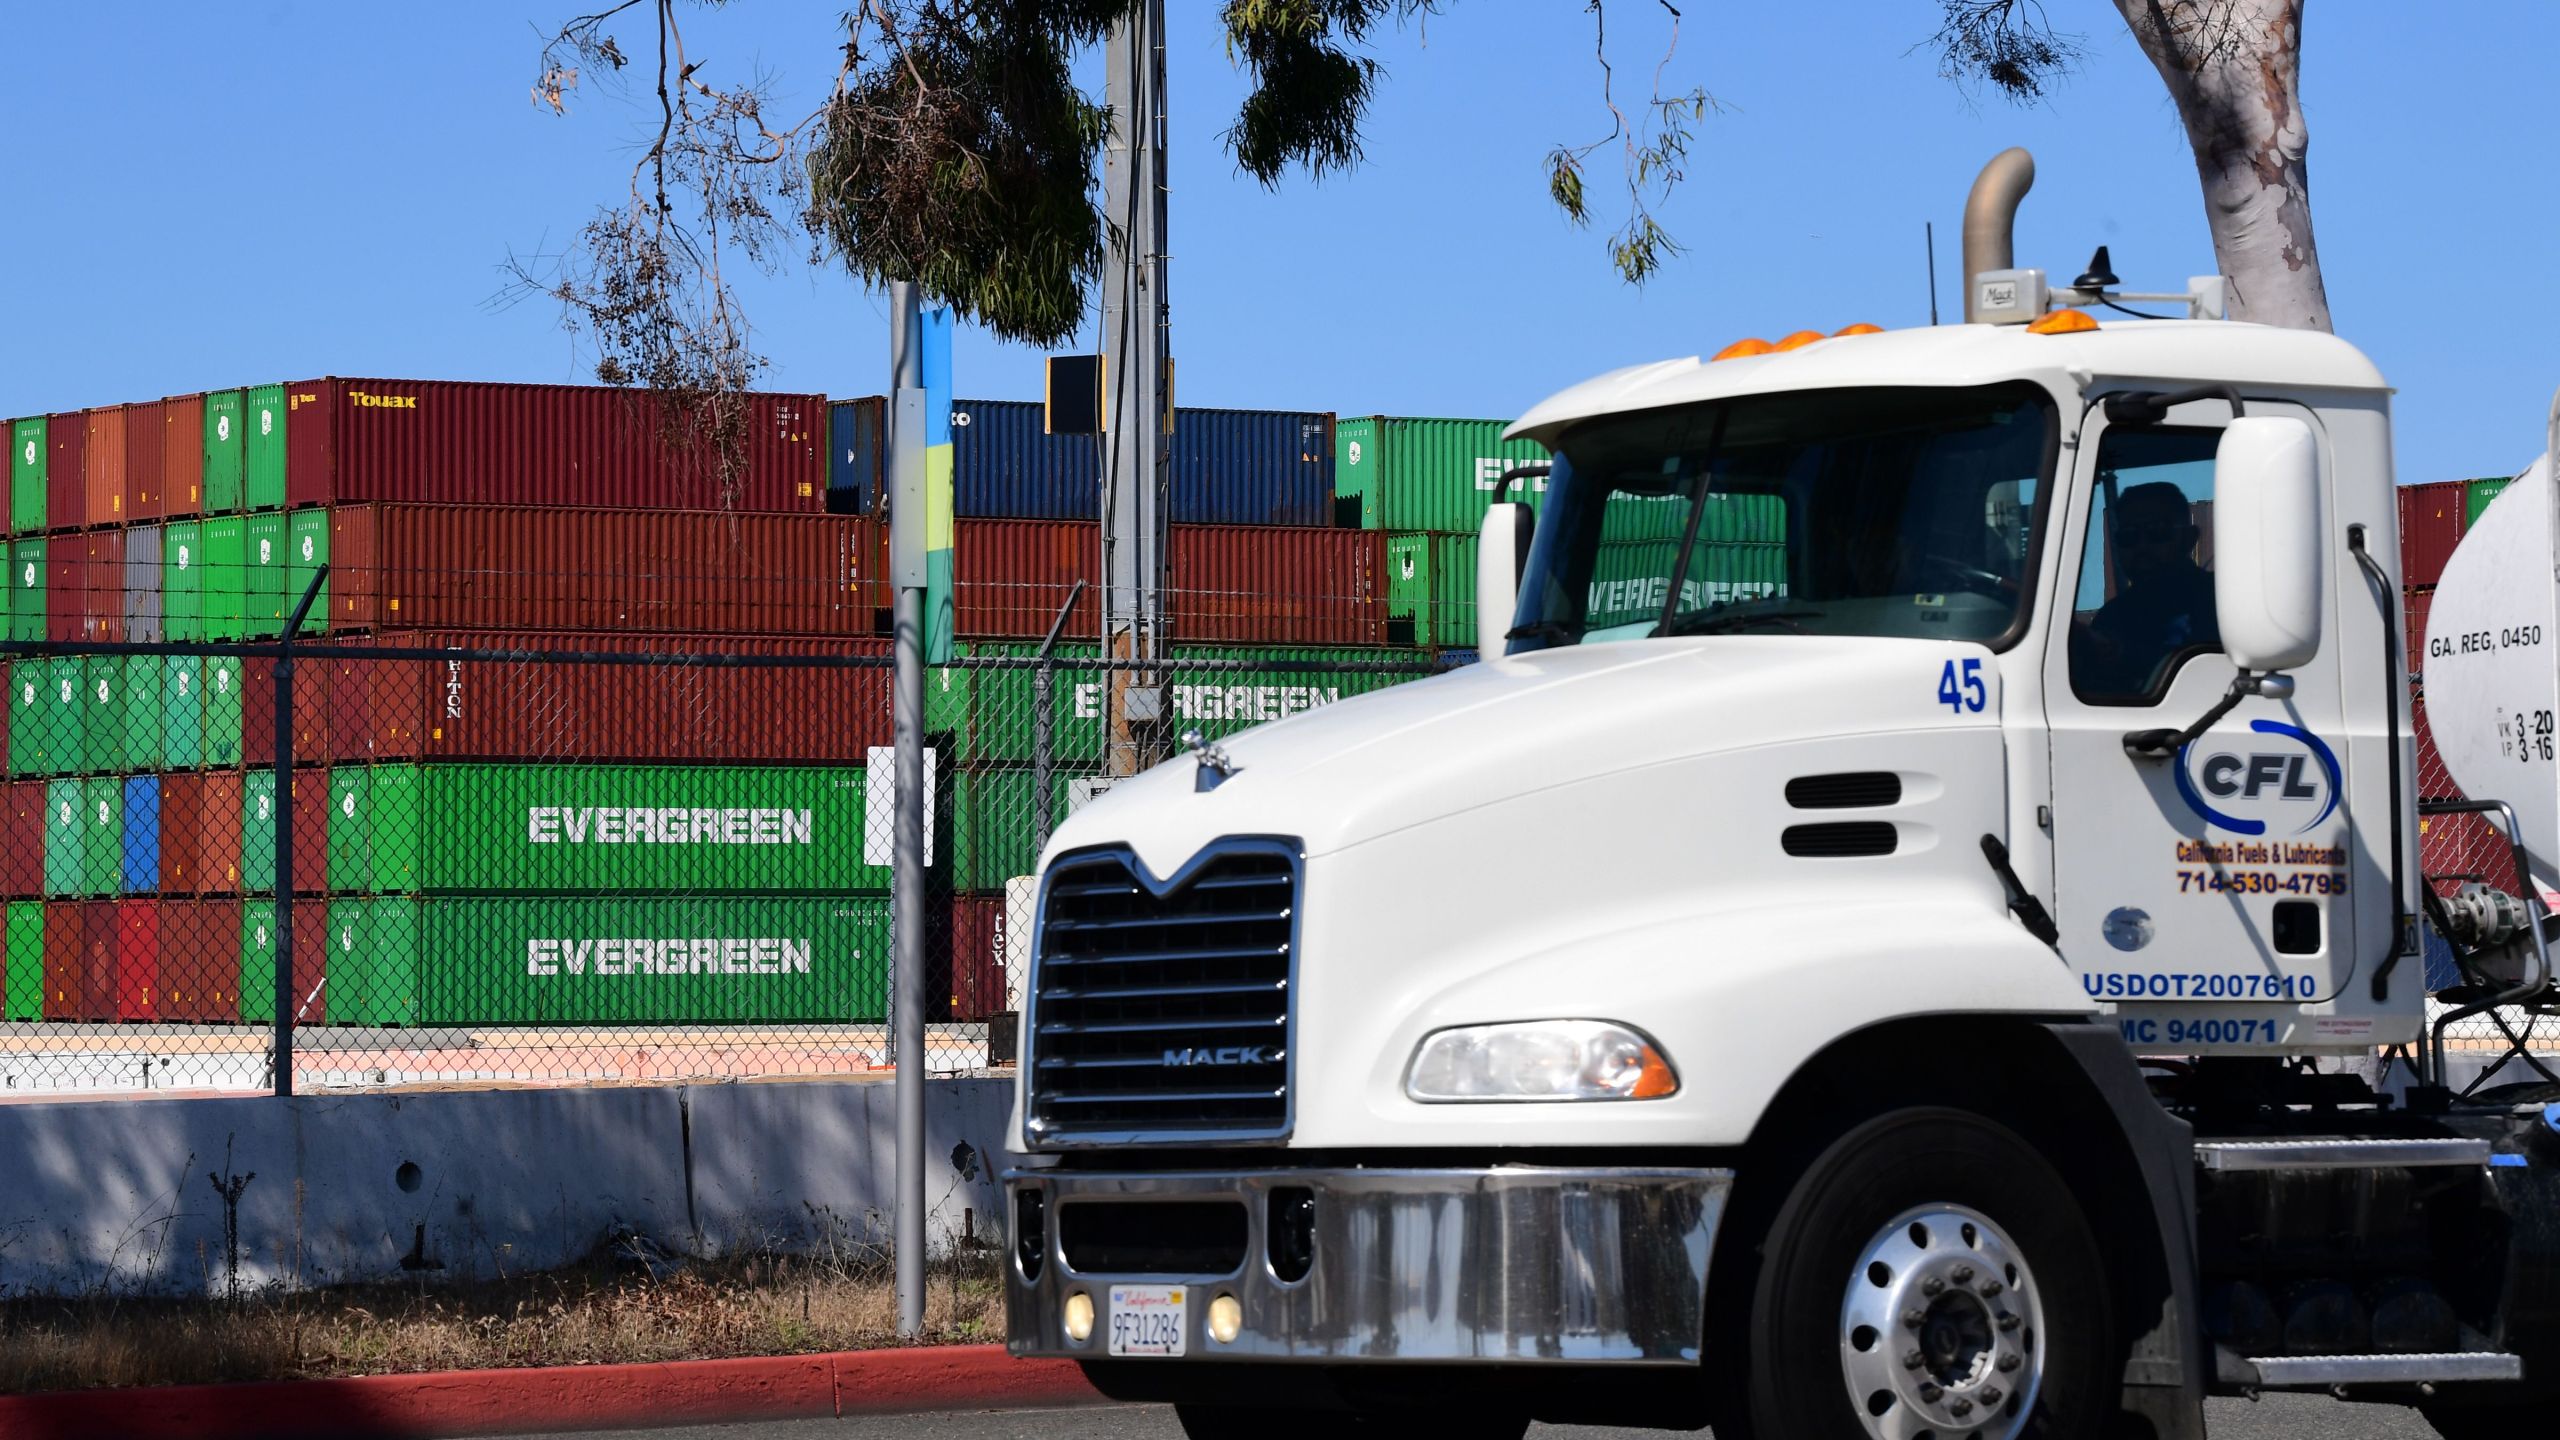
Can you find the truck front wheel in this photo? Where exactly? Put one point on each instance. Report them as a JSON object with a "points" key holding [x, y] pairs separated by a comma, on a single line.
{"points": [[1929, 1274]]}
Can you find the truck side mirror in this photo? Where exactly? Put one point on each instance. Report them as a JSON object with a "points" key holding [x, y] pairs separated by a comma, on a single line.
{"points": [[2267, 539], [1502, 549]]}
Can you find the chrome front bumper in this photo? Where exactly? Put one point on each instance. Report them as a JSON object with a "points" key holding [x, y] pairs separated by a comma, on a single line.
{"points": [[1510, 1263]]}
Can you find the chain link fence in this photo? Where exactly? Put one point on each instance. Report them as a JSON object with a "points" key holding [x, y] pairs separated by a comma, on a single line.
{"points": [[648, 858]]}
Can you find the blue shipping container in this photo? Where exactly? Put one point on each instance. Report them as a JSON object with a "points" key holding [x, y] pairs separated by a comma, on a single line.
{"points": [[857, 436], [1230, 467], [142, 835]]}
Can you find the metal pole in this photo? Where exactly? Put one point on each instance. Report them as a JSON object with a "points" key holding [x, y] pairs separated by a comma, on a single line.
{"points": [[280, 1057], [907, 878], [1042, 679], [1135, 343]]}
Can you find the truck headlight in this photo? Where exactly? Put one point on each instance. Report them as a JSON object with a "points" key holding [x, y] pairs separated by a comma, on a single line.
{"points": [[1539, 1060]]}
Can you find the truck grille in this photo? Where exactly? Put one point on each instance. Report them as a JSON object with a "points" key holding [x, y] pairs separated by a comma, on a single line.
{"points": [[1163, 1012]]}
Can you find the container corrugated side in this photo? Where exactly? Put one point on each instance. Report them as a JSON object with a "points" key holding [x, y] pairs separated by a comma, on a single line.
{"points": [[182, 455], [66, 480], [182, 580], [141, 836], [486, 567], [1396, 472], [146, 433], [103, 472], [22, 985], [2431, 525], [1224, 467], [1011, 576], [460, 709], [225, 442], [2476, 495], [452, 442], [101, 582], [28, 452], [657, 960], [28, 580], [309, 804], [144, 617], [1431, 589], [66, 588], [472, 828], [22, 830], [200, 834], [199, 960], [268, 418], [1277, 585]]}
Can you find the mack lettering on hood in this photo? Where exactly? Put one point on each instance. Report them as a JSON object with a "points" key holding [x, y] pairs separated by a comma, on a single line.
{"points": [[695, 955], [666, 825]]}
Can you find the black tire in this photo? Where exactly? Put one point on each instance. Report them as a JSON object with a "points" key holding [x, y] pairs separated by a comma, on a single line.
{"points": [[1225, 1422], [1797, 1385]]}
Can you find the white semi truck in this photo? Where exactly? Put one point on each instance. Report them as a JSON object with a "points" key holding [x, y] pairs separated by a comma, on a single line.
{"points": [[1932, 996]]}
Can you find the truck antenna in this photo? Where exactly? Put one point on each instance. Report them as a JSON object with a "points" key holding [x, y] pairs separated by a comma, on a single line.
{"points": [[1929, 237]]}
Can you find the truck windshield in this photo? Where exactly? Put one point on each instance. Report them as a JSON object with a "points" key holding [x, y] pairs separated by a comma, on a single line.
{"points": [[1906, 512]]}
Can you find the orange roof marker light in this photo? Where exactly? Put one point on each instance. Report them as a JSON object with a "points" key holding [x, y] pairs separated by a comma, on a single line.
{"points": [[1857, 330], [1800, 339], [2062, 322], [1741, 349]]}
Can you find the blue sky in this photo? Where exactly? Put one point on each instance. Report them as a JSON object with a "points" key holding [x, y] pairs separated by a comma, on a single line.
{"points": [[207, 195]]}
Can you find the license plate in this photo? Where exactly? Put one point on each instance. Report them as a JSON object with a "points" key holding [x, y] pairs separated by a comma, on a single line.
{"points": [[1149, 1319]]}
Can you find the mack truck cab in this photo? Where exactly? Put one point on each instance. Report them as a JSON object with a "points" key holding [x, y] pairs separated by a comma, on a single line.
{"points": [[1919, 978]]}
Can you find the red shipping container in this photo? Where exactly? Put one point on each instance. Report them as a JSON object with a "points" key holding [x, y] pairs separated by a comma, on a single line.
{"points": [[2456, 850], [200, 834], [555, 710], [484, 567], [182, 455], [66, 486], [200, 960], [972, 975], [145, 460], [133, 957], [67, 990], [1012, 576], [102, 612], [1226, 584], [1277, 585], [66, 588], [2431, 525], [103, 478], [22, 830], [2414, 605], [466, 442], [311, 710], [310, 839]]}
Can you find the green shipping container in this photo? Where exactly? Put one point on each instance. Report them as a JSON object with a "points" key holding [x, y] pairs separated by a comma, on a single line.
{"points": [[1431, 590], [2476, 497], [572, 828], [181, 680], [377, 829], [262, 485], [985, 831], [27, 450], [1631, 579], [27, 589], [220, 685], [84, 837], [224, 433], [23, 985], [258, 829], [182, 581], [258, 958], [1406, 473], [226, 577], [654, 960], [262, 582], [374, 945], [105, 714], [987, 715], [306, 550], [44, 717]]}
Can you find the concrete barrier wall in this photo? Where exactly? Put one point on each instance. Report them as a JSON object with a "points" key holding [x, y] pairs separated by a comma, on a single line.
{"points": [[128, 1196]]}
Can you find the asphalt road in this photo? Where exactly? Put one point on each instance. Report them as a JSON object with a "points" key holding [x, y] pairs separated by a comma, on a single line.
{"points": [[2279, 1417]]}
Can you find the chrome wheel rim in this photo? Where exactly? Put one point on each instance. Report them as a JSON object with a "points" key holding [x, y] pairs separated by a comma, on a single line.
{"points": [[1942, 1329]]}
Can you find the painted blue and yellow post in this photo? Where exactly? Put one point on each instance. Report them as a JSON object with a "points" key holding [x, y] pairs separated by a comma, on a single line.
{"points": [[933, 334]]}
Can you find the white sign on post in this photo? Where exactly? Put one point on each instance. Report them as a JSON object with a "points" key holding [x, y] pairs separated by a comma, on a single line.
{"points": [[880, 805]]}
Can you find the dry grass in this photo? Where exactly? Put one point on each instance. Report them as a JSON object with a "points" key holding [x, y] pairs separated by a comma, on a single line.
{"points": [[602, 1312]]}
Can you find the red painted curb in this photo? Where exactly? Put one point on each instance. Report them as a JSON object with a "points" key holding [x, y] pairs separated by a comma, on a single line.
{"points": [[569, 1397]]}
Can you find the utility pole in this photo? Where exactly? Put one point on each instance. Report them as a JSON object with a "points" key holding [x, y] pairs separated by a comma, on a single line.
{"points": [[907, 541], [1136, 378]]}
